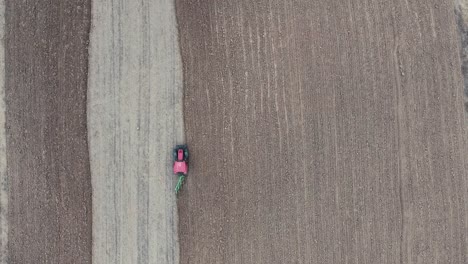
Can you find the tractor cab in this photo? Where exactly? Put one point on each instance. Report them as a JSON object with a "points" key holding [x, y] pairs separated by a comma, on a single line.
{"points": [[180, 160]]}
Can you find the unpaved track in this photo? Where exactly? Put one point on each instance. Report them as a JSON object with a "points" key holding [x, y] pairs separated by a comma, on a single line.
{"points": [[46, 58], [3, 177], [135, 119], [323, 132]]}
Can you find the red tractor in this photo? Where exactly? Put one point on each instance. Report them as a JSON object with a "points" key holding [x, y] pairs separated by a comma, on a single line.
{"points": [[180, 167]]}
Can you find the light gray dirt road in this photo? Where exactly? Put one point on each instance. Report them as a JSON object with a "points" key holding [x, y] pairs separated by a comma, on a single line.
{"points": [[134, 118], [3, 176], [323, 132]]}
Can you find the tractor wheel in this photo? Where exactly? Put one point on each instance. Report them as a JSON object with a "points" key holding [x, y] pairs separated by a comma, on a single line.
{"points": [[174, 154], [186, 154]]}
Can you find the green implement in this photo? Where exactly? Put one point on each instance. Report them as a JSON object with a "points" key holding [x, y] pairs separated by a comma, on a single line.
{"points": [[180, 182]]}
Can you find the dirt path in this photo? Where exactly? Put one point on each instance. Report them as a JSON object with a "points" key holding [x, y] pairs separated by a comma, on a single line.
{"points": [[3, 167], [135, 118], [323, 132], [48, 171]]}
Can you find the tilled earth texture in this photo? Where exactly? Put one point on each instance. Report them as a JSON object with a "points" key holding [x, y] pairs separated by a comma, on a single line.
{"points": [[323, 132], [47, 154]]}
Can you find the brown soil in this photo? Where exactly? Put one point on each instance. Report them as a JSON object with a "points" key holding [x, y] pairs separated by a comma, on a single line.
{"points": [[48, 164], [323, 132]]}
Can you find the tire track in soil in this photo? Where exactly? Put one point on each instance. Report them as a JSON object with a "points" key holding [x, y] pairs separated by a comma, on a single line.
{"points": [[3, 167]]}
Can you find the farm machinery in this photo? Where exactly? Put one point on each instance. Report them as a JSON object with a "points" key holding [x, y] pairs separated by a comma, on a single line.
{"points": [[180, 168]]}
